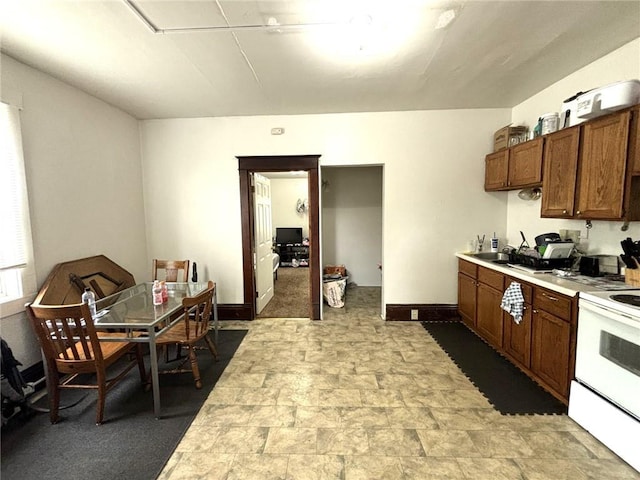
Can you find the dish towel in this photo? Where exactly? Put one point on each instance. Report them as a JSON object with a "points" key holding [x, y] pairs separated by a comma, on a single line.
{"points": [[513, 301]]}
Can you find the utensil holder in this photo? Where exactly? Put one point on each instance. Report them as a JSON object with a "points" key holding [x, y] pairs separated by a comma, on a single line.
{"points": [[632, 276]]}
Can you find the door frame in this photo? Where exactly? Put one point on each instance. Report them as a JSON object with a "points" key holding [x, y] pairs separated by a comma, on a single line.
{"points": [[279, 163]]}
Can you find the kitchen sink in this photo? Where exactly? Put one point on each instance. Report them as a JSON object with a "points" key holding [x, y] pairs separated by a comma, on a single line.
{"points": [[496, 257]]}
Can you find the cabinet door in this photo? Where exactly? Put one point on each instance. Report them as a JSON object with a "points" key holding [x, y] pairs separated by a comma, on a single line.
{"points": [[602, 167], [550, 351], [517, 337], [489, 315], [496, 170], [560, 173], [467, 299], [525, 164]]}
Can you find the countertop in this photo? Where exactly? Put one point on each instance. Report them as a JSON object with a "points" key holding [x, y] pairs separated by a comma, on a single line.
{"points": [[561, 285]]}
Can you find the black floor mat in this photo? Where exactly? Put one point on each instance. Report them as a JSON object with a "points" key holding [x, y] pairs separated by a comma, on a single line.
{"points": [[507, 388]]}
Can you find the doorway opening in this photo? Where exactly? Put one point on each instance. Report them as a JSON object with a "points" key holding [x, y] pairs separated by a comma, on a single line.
{"points": [[248, 167], [283, 280], [352, 234]]}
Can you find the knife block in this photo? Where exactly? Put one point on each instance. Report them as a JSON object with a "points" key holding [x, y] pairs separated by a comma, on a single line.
{"points": [[632, 276]]}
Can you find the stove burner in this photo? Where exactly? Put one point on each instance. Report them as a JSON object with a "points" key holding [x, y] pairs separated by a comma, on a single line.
{"points": [[628, 299]]}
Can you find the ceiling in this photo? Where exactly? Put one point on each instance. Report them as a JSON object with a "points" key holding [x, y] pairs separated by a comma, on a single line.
{"points": [[311, 56]]}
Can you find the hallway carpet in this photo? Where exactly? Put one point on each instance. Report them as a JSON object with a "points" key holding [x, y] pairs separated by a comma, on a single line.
{"points": [[291, 295]]}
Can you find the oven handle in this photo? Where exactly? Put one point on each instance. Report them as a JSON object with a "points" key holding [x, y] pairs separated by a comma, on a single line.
{"points": [[609, 313]]}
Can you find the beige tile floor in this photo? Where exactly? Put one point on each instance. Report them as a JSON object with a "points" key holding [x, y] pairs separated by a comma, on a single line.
{"points": [[353, 397]]}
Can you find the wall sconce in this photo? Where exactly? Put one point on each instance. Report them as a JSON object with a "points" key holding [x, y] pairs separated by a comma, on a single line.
{"points": [[302, 205]]}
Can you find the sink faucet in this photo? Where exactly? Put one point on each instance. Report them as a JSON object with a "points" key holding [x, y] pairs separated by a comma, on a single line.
{"points": [[479, 243]]}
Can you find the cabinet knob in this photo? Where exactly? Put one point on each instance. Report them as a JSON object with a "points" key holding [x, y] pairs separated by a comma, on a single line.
{"points": [[564, 212], [578, 212]]}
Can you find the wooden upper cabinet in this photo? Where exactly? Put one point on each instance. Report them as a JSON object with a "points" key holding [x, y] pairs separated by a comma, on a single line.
{"points": [[496, 171], [602, 167], [560, 173], [525, 164], [634, 142]]}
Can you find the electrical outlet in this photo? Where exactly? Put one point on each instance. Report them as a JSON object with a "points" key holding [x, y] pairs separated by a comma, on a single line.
{"points": [[414, 314]]}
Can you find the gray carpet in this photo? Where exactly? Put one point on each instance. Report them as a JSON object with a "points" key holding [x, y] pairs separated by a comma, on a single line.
{"points": [[131, 443], [291, 297]]}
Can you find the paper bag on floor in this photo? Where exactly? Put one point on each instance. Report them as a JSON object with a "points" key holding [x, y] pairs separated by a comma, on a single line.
{"points": [[333, 292]]}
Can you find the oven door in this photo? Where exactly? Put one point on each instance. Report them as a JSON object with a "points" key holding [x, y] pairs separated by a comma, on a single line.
{"points": [[608, 355]]}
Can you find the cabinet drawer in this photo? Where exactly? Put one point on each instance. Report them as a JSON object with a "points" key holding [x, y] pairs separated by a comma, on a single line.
{"points": [[552, 302], [527, 290], [468, 268], [491, 277]]}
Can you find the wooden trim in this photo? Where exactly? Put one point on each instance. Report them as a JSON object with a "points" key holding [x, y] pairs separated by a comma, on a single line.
{"points": [[246, 167], [246, 215], [314, 242], [426, 312]]}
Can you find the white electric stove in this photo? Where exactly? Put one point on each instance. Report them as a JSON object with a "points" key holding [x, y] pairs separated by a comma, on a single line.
{"points": [[605, 395]]}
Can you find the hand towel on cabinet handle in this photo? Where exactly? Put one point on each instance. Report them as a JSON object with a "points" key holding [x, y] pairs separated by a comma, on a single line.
{"points": [[513, 301]]}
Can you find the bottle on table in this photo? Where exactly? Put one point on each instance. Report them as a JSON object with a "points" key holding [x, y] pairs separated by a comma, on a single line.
{"points": [[89, 298], [165, 291], [157, 293]]}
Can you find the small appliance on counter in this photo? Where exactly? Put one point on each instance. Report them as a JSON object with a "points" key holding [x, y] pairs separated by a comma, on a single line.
{"points": [[599, 265]]}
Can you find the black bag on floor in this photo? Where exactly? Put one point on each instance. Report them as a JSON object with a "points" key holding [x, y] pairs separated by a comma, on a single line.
{"points": [[12, 385]]}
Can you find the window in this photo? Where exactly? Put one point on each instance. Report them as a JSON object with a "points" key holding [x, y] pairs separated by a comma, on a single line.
{"points": [[17, 273]]}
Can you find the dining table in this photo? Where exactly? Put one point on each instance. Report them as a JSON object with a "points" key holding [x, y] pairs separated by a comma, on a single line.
{"points": [[132, 310]]}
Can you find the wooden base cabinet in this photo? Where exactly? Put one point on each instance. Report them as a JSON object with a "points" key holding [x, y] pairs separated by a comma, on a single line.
{"points": [[550, 351], [542, 345], [553, 340], [517, 336], [467, 295], [467, 299], [488, 313]]}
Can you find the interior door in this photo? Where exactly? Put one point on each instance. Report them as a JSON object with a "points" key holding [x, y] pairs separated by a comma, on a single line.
{"points": [[263, 242]]}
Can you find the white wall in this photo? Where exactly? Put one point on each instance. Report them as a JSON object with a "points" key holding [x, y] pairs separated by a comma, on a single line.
{"points": [[285, 193], [434, 201], [82, 163], [604, 237], [352, 221]]}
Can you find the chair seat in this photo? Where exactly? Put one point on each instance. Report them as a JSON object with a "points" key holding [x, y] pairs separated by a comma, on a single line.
{"points": [[178, 334], [111, 352]]}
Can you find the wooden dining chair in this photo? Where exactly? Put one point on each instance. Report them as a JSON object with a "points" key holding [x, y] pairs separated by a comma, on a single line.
{"points": [[171, 268], [191, 329], [73, 351]]}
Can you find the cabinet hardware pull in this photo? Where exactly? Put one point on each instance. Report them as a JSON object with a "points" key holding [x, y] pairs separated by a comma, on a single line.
{"points": [[564, 211], [534, 311], [578, 212], [553, 299]]}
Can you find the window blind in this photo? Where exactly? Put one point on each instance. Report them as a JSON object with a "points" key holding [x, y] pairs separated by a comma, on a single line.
{"points": [[14, 207]]}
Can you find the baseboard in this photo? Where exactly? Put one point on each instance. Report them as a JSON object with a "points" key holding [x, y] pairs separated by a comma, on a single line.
{"points": [[239, 311], [425, 312]]}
